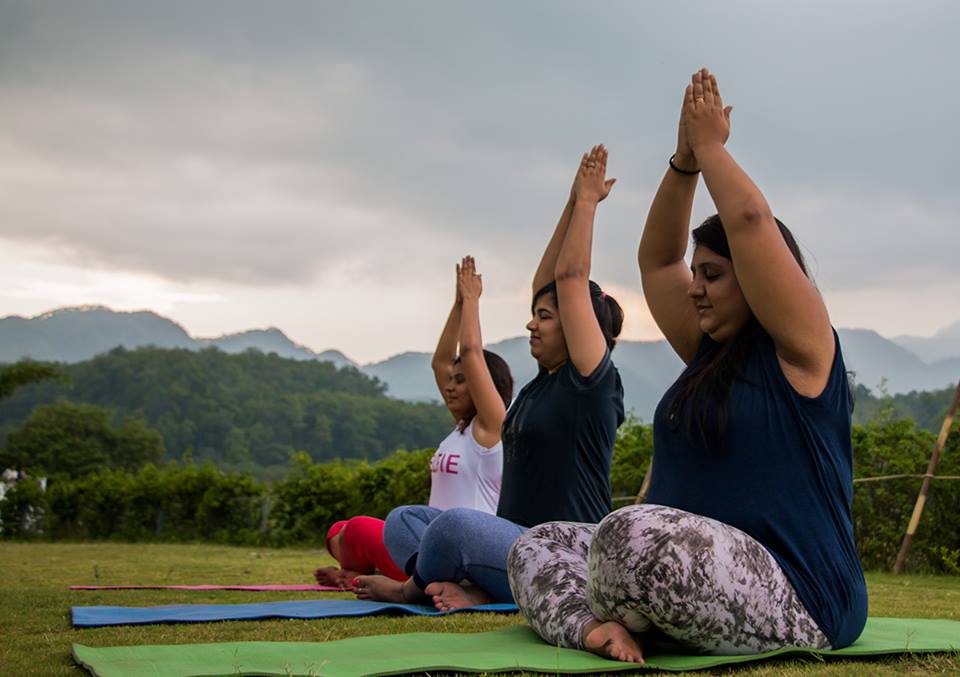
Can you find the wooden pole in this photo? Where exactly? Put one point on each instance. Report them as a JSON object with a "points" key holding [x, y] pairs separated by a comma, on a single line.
{"points": [[927, 481], [645, 486]]}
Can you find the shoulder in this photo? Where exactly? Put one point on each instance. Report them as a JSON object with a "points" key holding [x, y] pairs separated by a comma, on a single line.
{"points": [[832, 391], [603, 377]]}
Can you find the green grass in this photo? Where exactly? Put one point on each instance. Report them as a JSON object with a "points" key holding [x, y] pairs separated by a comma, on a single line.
{"points": [[35, 605]]}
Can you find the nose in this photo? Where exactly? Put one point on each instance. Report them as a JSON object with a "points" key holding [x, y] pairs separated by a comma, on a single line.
{"points": [[695, 290], [531, 325]]}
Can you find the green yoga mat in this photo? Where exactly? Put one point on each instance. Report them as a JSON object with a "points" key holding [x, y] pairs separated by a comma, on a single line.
{"points": [[514, 648]]}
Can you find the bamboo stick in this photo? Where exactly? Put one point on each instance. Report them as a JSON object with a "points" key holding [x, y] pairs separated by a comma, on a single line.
{"points": [[645, 486], [927, 480]]}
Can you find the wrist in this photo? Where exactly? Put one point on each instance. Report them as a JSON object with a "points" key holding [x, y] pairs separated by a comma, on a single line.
{"points": [[681, 169], [587, 201], [685, 161], [701, 151]]}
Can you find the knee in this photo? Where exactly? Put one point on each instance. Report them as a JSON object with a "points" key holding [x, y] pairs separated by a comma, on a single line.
{"points": [[396, 515], [395, 520], [640, 533], [525, 547], [451, 527]]}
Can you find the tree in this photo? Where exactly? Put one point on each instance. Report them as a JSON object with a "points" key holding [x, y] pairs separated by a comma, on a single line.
{"points": [[25, 372], [78, 439]]}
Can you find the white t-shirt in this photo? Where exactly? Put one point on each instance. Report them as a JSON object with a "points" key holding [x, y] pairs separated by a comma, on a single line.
{"points": [[464, 474]]}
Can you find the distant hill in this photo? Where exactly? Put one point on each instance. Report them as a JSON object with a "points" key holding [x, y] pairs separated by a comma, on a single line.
{"points": [[243, 411], [80, 333], [646, 367], [944, 344]]}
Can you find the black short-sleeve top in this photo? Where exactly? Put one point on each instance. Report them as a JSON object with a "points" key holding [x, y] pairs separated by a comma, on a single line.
{"points": [[558, 439]]}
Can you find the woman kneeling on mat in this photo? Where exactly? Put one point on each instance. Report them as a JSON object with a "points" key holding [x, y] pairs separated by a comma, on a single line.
{"points": [[557, 438], [746, 544], [467, 468]]}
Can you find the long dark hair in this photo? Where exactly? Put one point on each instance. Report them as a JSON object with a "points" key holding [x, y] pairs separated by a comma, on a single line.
{"points": [[502, 381], [605, 307], [701, 403]]}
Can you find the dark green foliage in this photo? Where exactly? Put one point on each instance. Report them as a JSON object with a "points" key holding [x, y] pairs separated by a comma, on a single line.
{"points": [[882, 510], [174, 503], [316, 495], [22, 509], [249, 411], [202, 503], [78, 439], [26, 372], [632, 454], [926, 408]]}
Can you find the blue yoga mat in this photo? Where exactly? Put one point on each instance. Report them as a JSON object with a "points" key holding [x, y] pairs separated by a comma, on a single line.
{"points": [[97, 616]]}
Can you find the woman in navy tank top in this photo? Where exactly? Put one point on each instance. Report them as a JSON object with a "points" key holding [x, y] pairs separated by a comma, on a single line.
{"points": [[746, 544]]}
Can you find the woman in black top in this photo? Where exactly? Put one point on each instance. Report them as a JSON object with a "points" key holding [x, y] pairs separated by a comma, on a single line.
{"points": [[557, 438]]}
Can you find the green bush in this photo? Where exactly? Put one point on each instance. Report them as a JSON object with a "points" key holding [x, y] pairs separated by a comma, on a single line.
{"points": [[189, 502], [882, 510], [317, 494], [21, 509], [173, 503]]}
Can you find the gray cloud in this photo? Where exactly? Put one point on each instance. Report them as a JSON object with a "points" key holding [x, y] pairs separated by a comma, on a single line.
{"points": [[268, 145]]}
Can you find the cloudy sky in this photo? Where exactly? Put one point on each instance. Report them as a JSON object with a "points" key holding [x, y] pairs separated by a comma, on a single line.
{"points": [[319, 167]]}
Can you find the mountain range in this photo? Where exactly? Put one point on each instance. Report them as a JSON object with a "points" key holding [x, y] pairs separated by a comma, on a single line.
{"points": [[647, 368]]}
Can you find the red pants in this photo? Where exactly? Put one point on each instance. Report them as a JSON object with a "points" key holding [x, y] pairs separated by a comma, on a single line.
{"points": [[362, 548]]}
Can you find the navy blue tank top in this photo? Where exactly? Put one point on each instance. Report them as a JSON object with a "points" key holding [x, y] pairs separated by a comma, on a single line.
{"points": [[783, 475]]}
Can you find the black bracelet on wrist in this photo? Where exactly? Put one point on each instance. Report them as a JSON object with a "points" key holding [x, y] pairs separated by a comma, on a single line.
{"points": [[681, 171]]}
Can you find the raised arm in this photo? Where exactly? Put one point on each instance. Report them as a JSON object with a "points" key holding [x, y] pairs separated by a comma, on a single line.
{"points": [[489, 405], [663, 271], [548, 262], [781, 296], [446, 352], [585, 343]]}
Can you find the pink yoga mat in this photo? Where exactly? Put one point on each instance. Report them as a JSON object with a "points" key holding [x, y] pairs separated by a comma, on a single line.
{"points": [[249, 588]]}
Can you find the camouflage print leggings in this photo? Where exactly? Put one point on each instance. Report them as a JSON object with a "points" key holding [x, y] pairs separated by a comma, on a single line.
{"points": [[698, 580]]}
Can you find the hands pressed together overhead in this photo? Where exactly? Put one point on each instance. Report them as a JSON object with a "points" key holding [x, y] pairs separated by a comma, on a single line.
{"points": [[591, 184], [469, 281], [704, 120]]}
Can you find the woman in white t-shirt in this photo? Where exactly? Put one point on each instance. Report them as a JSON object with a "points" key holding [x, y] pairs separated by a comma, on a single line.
{"points": [[466, 470], [476, 385]]}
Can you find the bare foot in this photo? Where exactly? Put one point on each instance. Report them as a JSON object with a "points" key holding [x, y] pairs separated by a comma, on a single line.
{"points": [[385, 589], [448, 596], [379, 588], [612, 640]]}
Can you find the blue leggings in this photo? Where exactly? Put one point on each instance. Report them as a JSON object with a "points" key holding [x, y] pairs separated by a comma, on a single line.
{"points": [[452, 545]]}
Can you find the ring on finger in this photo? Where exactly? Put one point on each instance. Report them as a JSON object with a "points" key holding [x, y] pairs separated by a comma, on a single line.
{"points": [[699, 99]]}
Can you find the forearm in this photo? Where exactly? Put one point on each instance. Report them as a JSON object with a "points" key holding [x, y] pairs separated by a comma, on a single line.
{"points": [[738, 199], [446, 351], [573, 260], [664, 239], [548, 263], [470, 340]]}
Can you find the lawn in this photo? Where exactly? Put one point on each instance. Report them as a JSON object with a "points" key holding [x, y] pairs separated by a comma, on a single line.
{"points": [[35, 605]]}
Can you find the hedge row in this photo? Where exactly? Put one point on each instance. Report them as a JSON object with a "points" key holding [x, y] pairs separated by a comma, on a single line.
{"points": [[190, 503]]}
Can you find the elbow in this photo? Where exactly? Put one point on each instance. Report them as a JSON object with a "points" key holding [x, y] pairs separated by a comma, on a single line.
{"points": [[751, 214], [571, 272], [644, 258], [470, 348]]}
